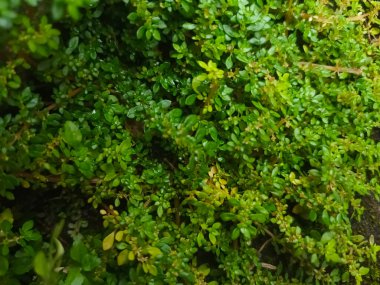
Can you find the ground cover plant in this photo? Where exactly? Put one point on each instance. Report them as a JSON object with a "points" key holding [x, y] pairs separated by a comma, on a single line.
{"points": [[188, 142]]}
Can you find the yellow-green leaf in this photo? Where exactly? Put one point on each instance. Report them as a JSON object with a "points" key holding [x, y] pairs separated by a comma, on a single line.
{"points": [[152, 269], [108, 241], [6, 215], [122, 257], [154, 251], [119, 235], [212, 238], [202, 64], [145, 267], [40, 264], [131, 256], [60, 249], [363, 270]]}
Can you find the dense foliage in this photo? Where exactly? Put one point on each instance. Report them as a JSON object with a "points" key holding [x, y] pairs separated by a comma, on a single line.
{"points": [[187, 142]]}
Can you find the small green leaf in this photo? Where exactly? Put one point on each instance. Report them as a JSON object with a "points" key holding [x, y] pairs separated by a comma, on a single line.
{"points": [[32, 103], [74, 277], [245, 233], [78, 250], [32, 2], [6, 215], [73, 43], [326, 237], [334, 257], [212, 238], [189, 26], [175, 114], [154, 251], [152, 269], [229, 62], [191, 121], [122, 257], [4, 265], [71, 134], [314, 259], [227, 217], [41, 266], [160, 211], [59, 249], [190, 99], [363, 270], [27, 226], [203, 64], [261, 218], [131, 256], [156, 35], [165, 104], [73, 11], [14, 84], [197, 81], [313, 215], [148, 34], [204, 269], [200, 238], [235, 234], [229, 31], [325, 217], [140, 32]]}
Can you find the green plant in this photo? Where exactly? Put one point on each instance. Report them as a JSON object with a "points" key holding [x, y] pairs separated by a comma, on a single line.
{"points": [[221, 142], [17, 249]]}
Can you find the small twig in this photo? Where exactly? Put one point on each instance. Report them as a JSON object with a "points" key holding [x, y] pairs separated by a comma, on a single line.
{"points": [[18, 135], [358, 17], [332, 19], [95, 180], [265, 230], [74, 92], [337, 69], [316, 18], [264, 245], [268, 266], [170, 164], [269, 233], [51, 107]]}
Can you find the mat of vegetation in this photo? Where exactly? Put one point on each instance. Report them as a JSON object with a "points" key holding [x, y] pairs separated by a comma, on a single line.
{"points": [[188, 142]]}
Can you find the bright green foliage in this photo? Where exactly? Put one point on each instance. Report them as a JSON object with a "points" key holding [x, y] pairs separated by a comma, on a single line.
{"points": [[221, 142]]}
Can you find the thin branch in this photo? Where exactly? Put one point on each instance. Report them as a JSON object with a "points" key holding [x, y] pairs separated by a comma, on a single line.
{"points": [[18, 135], [74, 92], [332, 19], [337, 69], [358, 17], [268, 266], [265, 230], [264, 245]]}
